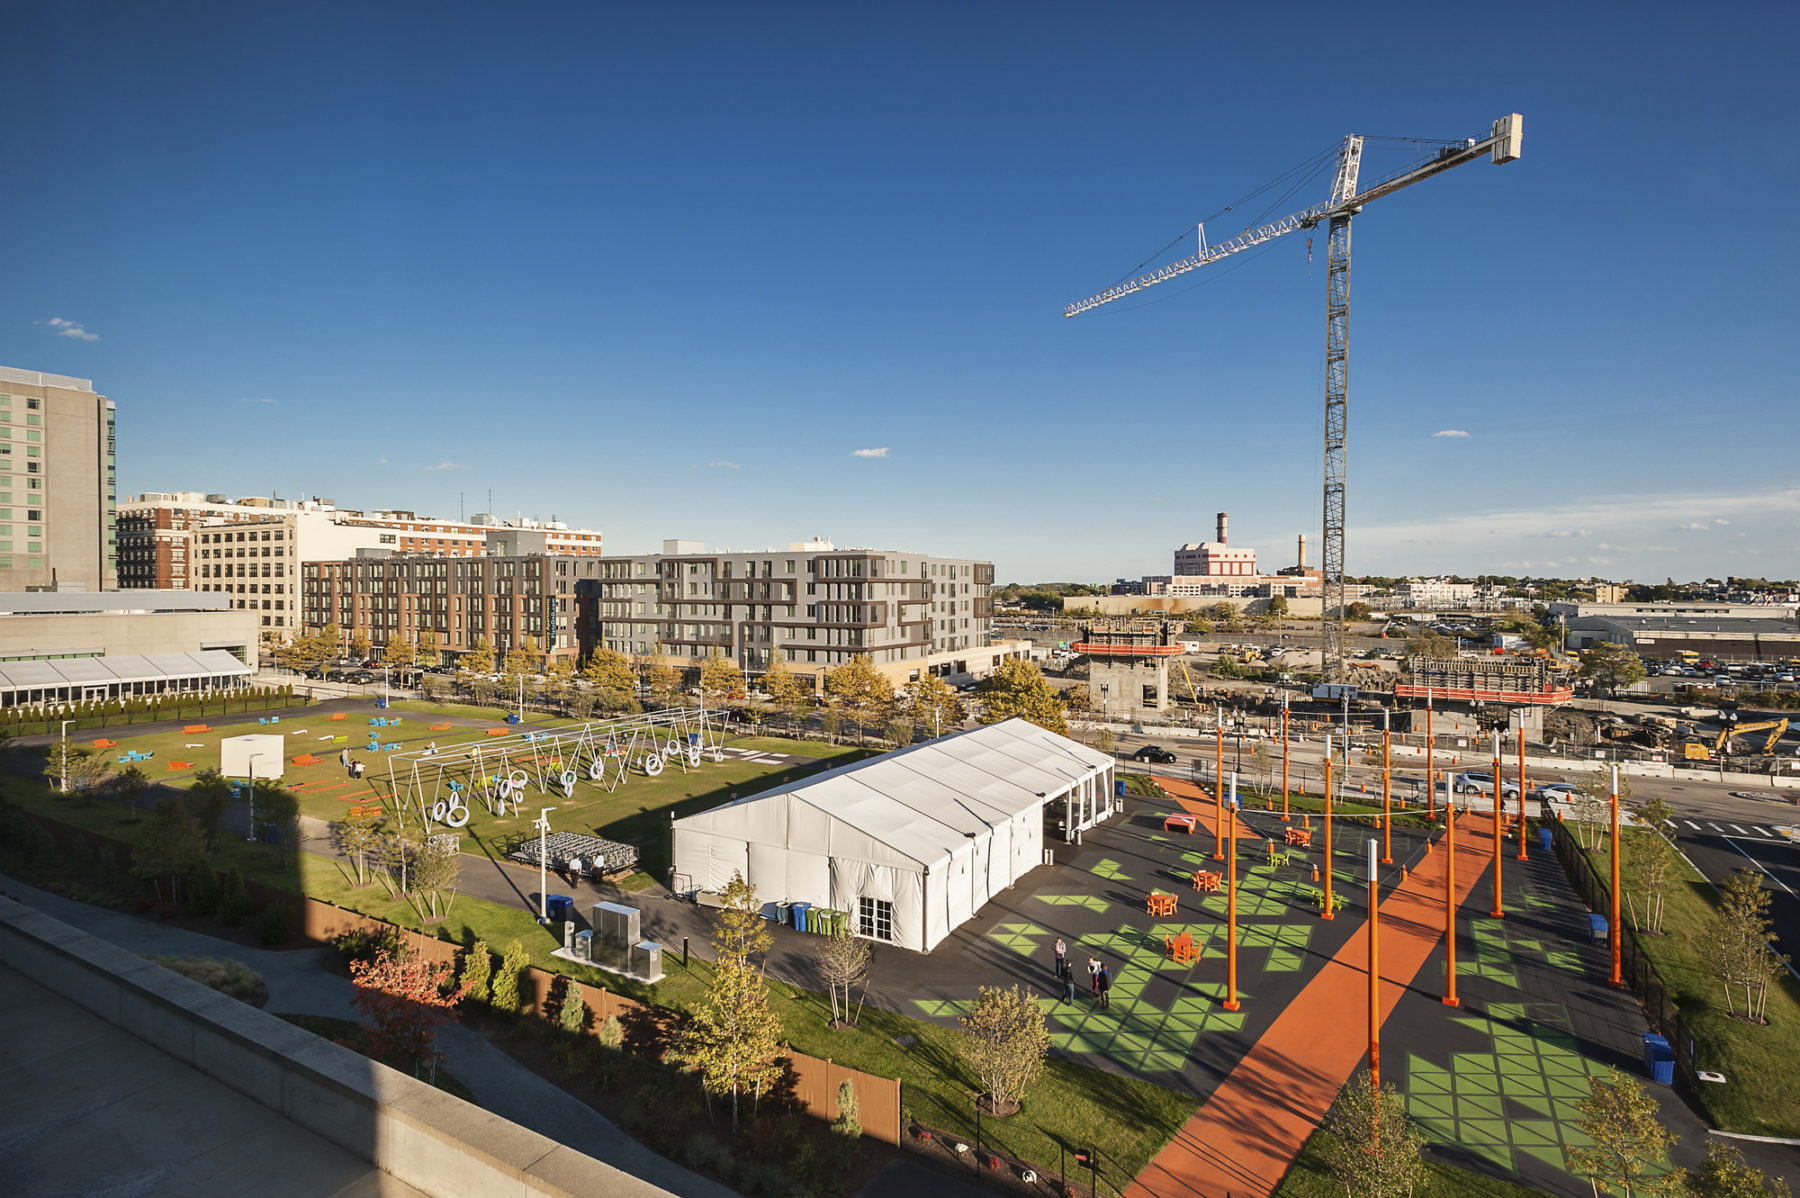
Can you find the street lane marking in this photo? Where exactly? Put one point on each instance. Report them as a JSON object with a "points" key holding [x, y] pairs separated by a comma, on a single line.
{"points": [[1760, 831], [1734, 828], [1759, 865], [1690, 823]]}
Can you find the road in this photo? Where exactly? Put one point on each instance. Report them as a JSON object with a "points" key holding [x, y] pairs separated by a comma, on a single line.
{"points": [[1721, 844]]}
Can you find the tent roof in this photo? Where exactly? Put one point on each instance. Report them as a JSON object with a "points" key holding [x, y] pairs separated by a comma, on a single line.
{"points": [[97, 671], [922, 802]]}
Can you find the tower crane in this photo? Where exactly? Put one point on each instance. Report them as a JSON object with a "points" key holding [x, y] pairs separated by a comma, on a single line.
{"points": [[1502, 144]]}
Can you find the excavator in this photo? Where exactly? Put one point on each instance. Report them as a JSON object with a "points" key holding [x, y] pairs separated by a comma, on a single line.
{"points": [[1700, 751]]}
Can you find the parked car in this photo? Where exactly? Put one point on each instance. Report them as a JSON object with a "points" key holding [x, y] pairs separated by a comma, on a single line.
{"points": [[1554, 792], [1481, 782], [1155, 753]]}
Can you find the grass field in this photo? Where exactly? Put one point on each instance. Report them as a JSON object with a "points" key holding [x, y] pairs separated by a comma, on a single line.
{"points": [[1763, 1094], [1310, 1179]]}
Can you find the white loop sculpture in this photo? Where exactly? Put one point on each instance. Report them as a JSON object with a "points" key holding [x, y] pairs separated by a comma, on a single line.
{"points": [[653, 764]]}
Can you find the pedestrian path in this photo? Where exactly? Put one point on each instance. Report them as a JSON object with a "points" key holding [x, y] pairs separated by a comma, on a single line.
{"points": [[1247, 1134]]}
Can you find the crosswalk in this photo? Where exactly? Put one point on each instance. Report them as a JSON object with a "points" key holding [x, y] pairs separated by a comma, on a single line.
{"points": [[1753, 832]]}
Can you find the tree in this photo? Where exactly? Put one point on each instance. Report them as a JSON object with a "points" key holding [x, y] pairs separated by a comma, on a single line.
{"points": [[785, 688], [572, 1014], [357, 836], [559, 679], [1610, 668], [76, 769], [521, 663], [846, 1128], [734, 1036], [477, 971], [479, 660], [428, 654], [359, 644], [404, 1000], [504, 989], [1725, 1175], [610, 680], [171, 846], [398, 653], [843, 963], [1629, 1140], [278, 810], [436, 871], [931, 701], [1370, 1147], [1655, 861], [1358, 611], [1593, 803], [1278, 605], [859, 690], [129, 784], [1737, 942], [660, 678], [207, 800], [1200, 627], [1005, 1042], [1018, 688], [720, 677]]}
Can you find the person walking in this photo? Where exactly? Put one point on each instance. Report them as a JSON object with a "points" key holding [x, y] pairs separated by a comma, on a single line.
{"points": [[1103, 982], [1062, 954], [1093, 976], [344, 759], [1067, 973]]}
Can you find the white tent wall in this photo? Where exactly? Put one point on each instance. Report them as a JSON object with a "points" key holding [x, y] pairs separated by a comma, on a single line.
{"points": [[854, 880], [707, 860]]}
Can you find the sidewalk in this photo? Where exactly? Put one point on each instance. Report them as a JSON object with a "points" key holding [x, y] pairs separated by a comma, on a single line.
{"points": [[301, 983]]}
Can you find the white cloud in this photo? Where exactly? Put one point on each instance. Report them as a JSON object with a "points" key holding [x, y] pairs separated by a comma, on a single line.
{"points": [[869, 453], [71, 328], [723, 466], [447, 465], [1721, 522], [248, 399], [1564, 532], [1694, 526], [1450, 432], [381, 461]]}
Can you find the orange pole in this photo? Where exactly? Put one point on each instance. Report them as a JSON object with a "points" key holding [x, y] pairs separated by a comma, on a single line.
{"points": [[1374, 970], [1450, 999], [1327, 913], [1499, 836], [1231, 998], [1522, 836], [1219, 779], [1387, 792], [1284, 760], [1613, 932], [1430, 766]]}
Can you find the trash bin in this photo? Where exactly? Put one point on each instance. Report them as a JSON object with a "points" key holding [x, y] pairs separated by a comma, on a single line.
{"points": [[800, 916], [1119, 788], [1659, 1060], [1544, 838], [381, 703], [783, 911], [812, 919], [559, 908], [1596, 926], [512, 719]]}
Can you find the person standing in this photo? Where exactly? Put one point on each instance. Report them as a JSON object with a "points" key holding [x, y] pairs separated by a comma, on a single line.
{"points": [[1067, 976], [1062, 954], [1103, 982], [1093, 976]]}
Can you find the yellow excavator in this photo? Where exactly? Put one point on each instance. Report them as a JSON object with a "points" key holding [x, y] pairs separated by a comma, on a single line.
{"points": [[1699, 751]]}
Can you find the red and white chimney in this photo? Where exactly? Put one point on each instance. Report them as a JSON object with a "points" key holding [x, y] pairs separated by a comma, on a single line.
{"points": [[1222, 528]]}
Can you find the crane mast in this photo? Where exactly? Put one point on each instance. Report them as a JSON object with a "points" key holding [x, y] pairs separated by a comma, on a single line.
{"points": [[1502, 144]]}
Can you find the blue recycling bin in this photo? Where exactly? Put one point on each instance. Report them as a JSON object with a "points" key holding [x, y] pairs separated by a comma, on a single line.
{"points": [[381, 703], [512, 719], [800, 916], [1596, 926], [559, 907], [1659, 1060], [1544, 838], [1119, 788]]}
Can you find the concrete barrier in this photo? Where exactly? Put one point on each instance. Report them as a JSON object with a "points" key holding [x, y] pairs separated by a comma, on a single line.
{"points": [[428, 1139]]}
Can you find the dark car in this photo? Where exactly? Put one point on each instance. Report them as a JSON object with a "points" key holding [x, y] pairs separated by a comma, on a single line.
{"points": [[1156, 753]]}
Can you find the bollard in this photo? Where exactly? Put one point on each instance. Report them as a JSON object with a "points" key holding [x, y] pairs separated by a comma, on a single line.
{"points": [[1403, 873], [1315, 873]]}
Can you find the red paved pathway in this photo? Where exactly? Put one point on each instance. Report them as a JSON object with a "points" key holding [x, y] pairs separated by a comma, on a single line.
{"points": [[1245, 1136]]}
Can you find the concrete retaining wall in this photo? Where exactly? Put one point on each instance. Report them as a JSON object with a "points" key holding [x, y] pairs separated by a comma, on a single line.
{"points": [[421, 1135]]}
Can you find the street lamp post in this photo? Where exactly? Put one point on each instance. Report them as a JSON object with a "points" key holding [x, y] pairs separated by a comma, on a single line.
{"points": [[1374, 971], [1219, 779], [1231, 999], [1614, 978], [1284, 758], [543, 830], [1387, 790], [1327, 912], [1499, 834], [65, 755], [250, 790]]}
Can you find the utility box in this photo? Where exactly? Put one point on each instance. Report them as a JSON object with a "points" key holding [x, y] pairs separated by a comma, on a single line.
{"points": [[646, 961], [583, 947], [616, 929]]}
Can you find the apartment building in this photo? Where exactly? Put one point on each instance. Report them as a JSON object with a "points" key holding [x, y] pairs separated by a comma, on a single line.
{"points": [[57, 484], [816, 604], [157, 548], [516, 590]]}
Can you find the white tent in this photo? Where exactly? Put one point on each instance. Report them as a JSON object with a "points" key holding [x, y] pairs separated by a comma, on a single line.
{"points": [[912, 843]]}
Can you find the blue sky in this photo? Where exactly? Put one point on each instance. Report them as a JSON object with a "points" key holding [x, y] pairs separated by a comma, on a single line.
{"points": [[664, 271]]}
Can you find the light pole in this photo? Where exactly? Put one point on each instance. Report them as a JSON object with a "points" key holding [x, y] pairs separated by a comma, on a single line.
{"points": [[1327, 912], [1614, 979], [543, 829], [251, 792], [65, 755], [1231, 999], [384, 684], [1387, 790], [1284, 758], [1374, 971], [1499, 835]]}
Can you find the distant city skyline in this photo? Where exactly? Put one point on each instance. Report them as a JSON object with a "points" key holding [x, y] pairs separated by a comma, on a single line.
{"points": [[749, 277]]}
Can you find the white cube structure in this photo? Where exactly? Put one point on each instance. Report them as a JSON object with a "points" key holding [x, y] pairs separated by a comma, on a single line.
{"points": [[235, 753]]}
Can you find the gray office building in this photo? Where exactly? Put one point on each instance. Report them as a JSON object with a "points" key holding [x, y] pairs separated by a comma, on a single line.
{"points": [[58, 488]]}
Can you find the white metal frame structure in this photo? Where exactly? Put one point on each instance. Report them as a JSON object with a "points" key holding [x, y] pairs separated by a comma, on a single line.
{"points": [[1503, 144], [499, 772]]}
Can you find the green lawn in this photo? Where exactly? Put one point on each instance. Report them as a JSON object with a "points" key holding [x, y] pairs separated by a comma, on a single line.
{"points": [[1762, 1096], [1309, 1179]]}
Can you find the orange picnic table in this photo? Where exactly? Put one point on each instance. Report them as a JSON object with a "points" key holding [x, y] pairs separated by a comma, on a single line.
{"points": [[1206, 879], [1300, 836], [1182, 948], [1178, 822], [1160, 904]]}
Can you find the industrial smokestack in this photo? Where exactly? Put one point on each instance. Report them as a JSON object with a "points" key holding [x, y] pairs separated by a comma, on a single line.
{"points": [[1221, 528], [1303, 551]]}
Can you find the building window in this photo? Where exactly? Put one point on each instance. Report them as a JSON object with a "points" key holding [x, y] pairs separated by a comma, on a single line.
{"points": [[875, 919]]}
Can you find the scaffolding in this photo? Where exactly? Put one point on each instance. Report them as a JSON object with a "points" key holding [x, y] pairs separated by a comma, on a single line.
{"points": [[443, 784]]}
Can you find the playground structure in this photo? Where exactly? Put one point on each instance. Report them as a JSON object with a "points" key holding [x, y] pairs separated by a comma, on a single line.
{"points": [[500, 772]]}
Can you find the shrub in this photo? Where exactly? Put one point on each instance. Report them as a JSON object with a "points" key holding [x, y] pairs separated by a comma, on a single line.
{"points": [[231, 978], [573, 1015], [611, 1035], [477, 972], [365, 944], [234, 900], [505, 987], [700, 1151], [274, 924], [203, 892]]}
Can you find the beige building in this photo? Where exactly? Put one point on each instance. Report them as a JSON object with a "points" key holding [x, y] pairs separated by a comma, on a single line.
{"points": [[57, 484]]}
